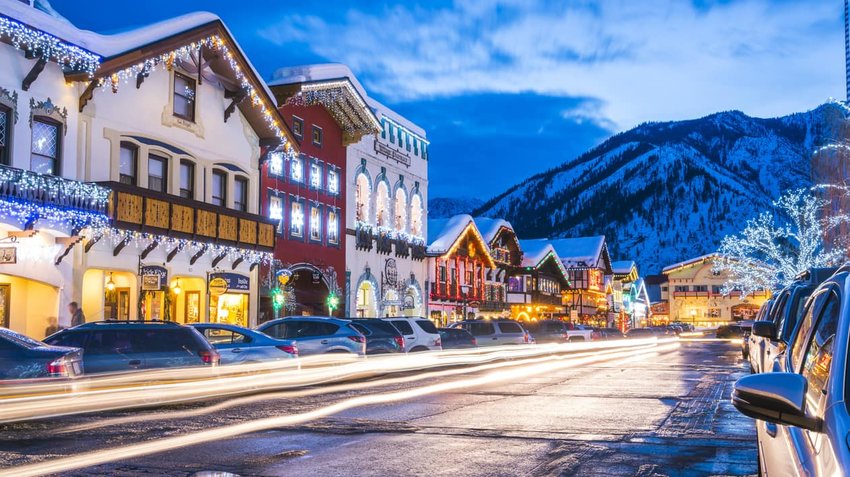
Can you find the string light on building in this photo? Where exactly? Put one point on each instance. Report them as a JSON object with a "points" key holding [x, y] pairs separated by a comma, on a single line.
{"points": [[47, 46], [183, 54]]}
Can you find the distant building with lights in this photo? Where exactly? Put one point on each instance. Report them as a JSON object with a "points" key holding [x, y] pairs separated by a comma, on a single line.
{"points": [[537, 288], [589, 269], [325, 108], [458, 262], [695, 295], [507, 256], [130, 172]]}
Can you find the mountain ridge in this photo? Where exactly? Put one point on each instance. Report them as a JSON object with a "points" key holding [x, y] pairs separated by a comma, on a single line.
{"points": [[663, 192]]}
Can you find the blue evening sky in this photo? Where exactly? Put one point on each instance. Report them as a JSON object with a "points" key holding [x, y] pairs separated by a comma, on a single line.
{"points": [[508, 88]]}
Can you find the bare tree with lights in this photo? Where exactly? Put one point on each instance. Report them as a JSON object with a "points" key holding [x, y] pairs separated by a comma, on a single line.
{"points": [[779, 244]]}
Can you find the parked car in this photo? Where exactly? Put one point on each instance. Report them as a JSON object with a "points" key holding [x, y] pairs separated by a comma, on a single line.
{"points": [[581, 333], [419, 333], [23, 357], [610, 334], [317, 334], [457, 338], [494, 332], [774, 329], [237, 344], [111, 346], [548, 331], [381, 337], [649, 332], [749, 340], [733, 330], [687, 327], [801, 409]]}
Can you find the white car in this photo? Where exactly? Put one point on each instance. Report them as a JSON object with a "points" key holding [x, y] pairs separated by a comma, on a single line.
{"points": [[495, 332], [419, 333]]}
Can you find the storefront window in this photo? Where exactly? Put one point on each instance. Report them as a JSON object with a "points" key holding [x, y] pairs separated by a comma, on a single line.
{"points": [[230, 308]]}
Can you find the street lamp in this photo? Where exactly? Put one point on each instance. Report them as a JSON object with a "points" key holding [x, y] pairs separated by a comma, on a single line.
{"points": [[465, 290]]}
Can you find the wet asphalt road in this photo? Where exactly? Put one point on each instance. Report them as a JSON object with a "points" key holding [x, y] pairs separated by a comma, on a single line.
{"points": [[668, 414]]}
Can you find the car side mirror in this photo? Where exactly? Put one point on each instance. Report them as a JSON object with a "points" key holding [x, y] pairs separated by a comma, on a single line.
{"points": [[765, 329], [775, 397]]}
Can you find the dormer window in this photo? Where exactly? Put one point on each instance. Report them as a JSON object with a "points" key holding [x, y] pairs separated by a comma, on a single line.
{"points": [[184, 97]]}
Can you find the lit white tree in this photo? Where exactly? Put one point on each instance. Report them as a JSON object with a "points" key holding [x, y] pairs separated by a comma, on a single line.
{"points": [[778, 245]]}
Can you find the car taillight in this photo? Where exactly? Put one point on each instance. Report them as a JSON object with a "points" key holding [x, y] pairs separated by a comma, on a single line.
{"points": [[291, 349], [57, 367], [527, 340], [209, 356], [474, 341], [399, 340], [438, 342], [566, 337], [357, 338]]}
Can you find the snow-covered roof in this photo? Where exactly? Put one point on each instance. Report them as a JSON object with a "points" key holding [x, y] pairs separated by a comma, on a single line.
{"points": [[317, 73], [535, 250], [112, 45], [443, 233], [103, 45], [622, 267], [690, 261], [580, 251], [489, 228]]}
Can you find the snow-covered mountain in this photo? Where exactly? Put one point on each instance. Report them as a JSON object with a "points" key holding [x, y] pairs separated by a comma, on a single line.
{"points": [[664, 192], [445, 207]]}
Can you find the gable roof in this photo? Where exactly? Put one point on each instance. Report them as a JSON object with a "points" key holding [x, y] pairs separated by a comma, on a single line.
{"points": [[689, 262], [622, 267], [335, 87], [128, 56], [583, 252], [537, 251], [489, 228], [443, 234]]}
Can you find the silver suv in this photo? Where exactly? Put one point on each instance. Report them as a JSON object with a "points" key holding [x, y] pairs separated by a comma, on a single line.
{"points": [[802, 409], [317, 334], [420, 334], [495, 332]]}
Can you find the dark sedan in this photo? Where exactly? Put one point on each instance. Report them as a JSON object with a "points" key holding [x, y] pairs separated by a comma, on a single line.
{"points": [[456, 338], [24, 357], [381, 336]]}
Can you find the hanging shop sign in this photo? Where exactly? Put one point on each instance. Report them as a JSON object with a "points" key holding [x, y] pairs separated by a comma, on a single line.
{"points": [[232, 282], [8, 255], [217, 286], [154, 277]]}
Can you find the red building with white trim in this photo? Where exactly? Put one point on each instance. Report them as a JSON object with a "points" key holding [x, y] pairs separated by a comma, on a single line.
{"points": [[306, 193]]}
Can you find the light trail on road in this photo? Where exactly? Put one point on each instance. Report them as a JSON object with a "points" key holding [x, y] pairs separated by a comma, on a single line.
{"points": [[191, 384], [519, 370]]}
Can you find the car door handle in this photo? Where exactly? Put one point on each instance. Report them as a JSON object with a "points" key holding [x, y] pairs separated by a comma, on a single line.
{"points": [[412, 338], [324, 341], [236, 350], [770, 428], [135, 362]]}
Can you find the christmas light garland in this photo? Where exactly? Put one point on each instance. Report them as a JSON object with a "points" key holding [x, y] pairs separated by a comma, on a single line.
{"points": [[88, 194], [47, 46], [184, 53], [27, 212], [141, 240]]}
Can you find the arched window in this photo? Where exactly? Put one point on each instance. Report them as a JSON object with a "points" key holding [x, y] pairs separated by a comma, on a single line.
{"points": [[362, 195], [382, 205], [416, 216], [400, 210]]}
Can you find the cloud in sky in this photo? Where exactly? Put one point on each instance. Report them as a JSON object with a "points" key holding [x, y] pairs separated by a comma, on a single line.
{"points": [[508, 88], [643, 60]]}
